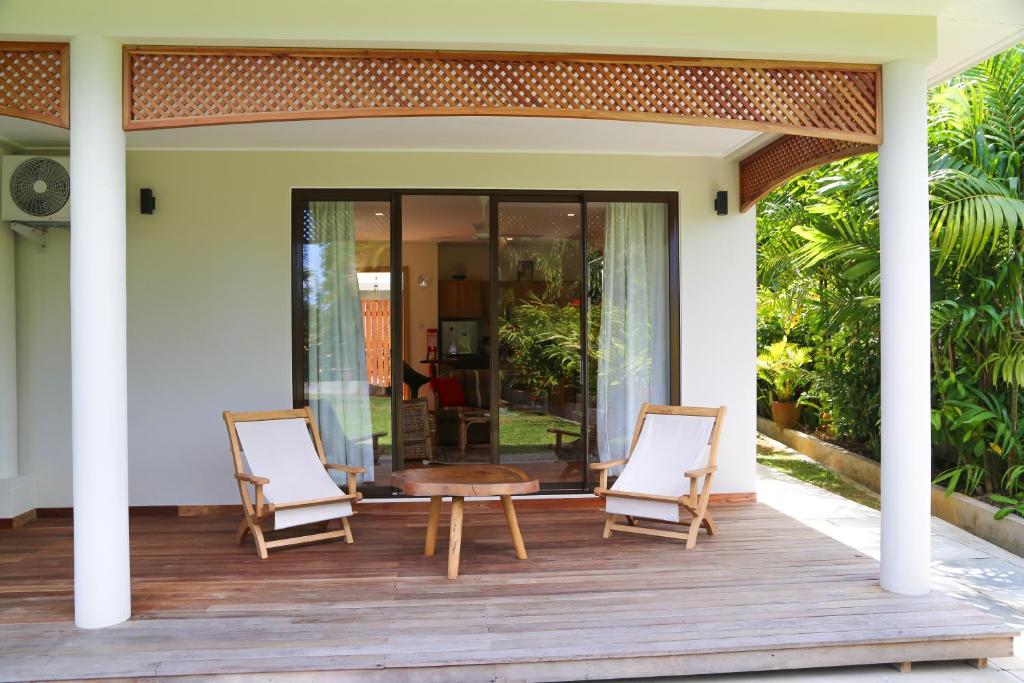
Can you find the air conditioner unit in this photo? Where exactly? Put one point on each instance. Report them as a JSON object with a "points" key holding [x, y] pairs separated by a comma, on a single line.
{"points": [[36, 191]]}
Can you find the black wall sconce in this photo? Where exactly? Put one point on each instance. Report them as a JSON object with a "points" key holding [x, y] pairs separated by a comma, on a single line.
{"points": [[147, 202], [722, 203]]}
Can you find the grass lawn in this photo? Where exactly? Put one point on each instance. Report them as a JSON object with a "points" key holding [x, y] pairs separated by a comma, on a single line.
{"points": [[526, 431], [520, 430], [811, 472], [380, 417]]}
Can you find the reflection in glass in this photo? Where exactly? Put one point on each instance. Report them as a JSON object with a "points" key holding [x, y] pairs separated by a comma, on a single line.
{"points": [[446, 244], [347, 329], [540, 424]]}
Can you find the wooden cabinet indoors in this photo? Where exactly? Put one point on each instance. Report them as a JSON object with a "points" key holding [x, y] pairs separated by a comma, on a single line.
{"points": [[461, 298]]}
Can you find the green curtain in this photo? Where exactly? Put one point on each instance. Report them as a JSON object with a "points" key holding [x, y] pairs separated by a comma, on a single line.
{"points": [[338, 387]]}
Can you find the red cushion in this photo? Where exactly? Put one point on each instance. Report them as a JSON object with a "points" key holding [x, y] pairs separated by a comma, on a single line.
{"points": [[449, 391]]}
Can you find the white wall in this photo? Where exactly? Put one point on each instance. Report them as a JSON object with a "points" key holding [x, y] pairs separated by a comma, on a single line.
{"points": [[17, 490], [8, 352], [209, 296], [421, 259], [44, 367]]}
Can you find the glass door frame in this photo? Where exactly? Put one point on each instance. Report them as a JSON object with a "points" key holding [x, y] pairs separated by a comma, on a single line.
{"points": [[301, 196]]}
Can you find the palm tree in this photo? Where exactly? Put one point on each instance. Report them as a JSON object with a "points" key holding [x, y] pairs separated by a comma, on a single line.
{"points": [[820, 232]]}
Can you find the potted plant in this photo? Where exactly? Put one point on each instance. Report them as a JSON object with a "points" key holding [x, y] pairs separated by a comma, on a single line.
{"points": [[782, 367]]}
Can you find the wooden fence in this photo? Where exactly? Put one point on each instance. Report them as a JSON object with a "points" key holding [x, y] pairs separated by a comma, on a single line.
{"points": [[377, 333]]}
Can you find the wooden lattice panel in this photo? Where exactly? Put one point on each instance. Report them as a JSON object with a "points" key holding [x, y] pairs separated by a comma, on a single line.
{"points": [[788, 157], [172, 87], [34, 82]]}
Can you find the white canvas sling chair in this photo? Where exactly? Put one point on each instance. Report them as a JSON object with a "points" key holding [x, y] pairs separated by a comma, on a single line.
{"points": [[279, 454], [667, 474]]}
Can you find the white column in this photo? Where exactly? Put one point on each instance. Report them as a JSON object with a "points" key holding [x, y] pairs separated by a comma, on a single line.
{"points": [[98, 346], [8, 360], [905, 310]]}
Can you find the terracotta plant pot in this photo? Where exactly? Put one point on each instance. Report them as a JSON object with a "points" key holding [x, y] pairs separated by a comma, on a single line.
{"points": [[785, 414]]}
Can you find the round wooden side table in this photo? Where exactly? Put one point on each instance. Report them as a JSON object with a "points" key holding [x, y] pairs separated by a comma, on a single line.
{"points": [[460, 481]]}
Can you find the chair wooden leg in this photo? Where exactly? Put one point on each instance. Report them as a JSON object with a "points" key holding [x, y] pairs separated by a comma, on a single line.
{"points": [[261, 544], [463, 436], [348, 530], [432, 522], [455, 538], [709, 524], [608, 526], [243, 529], [513, 527], [694, 531]]}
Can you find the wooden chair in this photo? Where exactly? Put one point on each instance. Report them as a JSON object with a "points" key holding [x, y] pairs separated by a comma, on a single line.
{"points": [[417, 434], [667, 472], [289, 476], [465, 424]]}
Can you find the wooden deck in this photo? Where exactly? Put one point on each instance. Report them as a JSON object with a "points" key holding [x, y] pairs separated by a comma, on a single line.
{"points": [[766, 593]]}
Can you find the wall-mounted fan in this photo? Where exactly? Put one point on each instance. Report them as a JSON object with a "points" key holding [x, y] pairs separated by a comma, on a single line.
{"points": [[36, 190]]}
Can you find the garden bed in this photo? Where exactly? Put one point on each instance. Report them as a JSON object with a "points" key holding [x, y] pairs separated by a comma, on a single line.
{"points": [[970, 514]]}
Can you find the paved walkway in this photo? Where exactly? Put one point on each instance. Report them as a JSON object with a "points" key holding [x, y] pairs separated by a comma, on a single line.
{"points": [[963, 565]]}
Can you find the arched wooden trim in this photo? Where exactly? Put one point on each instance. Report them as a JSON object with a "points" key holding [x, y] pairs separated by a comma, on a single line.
{"points": [[788, 157], [34, 82], [170, 87]]}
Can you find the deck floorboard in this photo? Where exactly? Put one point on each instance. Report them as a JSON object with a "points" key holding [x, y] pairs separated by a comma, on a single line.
{"points": [[767, 592]]}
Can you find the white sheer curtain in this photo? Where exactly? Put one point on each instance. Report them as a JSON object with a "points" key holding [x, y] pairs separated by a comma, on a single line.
{"points": [[339, 392], [633, 364]]}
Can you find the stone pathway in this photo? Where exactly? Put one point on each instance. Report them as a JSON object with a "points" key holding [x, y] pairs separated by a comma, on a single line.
{"points": [[963, 565]]}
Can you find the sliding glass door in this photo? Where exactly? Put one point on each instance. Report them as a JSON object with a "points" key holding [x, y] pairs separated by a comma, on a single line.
{"points": [[630, 319], [500, 327], [343, 318], [540, 351]]}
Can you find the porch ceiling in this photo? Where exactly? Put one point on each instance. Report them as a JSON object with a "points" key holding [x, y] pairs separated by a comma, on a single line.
{"points": [[460, 133]]}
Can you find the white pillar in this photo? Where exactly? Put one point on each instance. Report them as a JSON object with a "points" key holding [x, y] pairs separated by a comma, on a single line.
{"points": [[905, 311], [8, 360], [98, 345]]}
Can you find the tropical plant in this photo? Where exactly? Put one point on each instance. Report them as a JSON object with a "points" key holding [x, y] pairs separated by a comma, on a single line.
{"points": [[818, 236], [783, 367], [542, 340]]}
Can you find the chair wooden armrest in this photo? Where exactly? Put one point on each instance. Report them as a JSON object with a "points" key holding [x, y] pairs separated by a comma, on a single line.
{"points": [[693, 474], [258, 483], [603, 468], [606, 465], [351, 472], [560, 434], [345, 468], [252, 479]]}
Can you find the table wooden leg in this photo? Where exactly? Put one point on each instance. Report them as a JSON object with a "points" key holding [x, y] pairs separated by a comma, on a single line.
{"points": [[513, 527], [455, 538], [432, 521]]}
